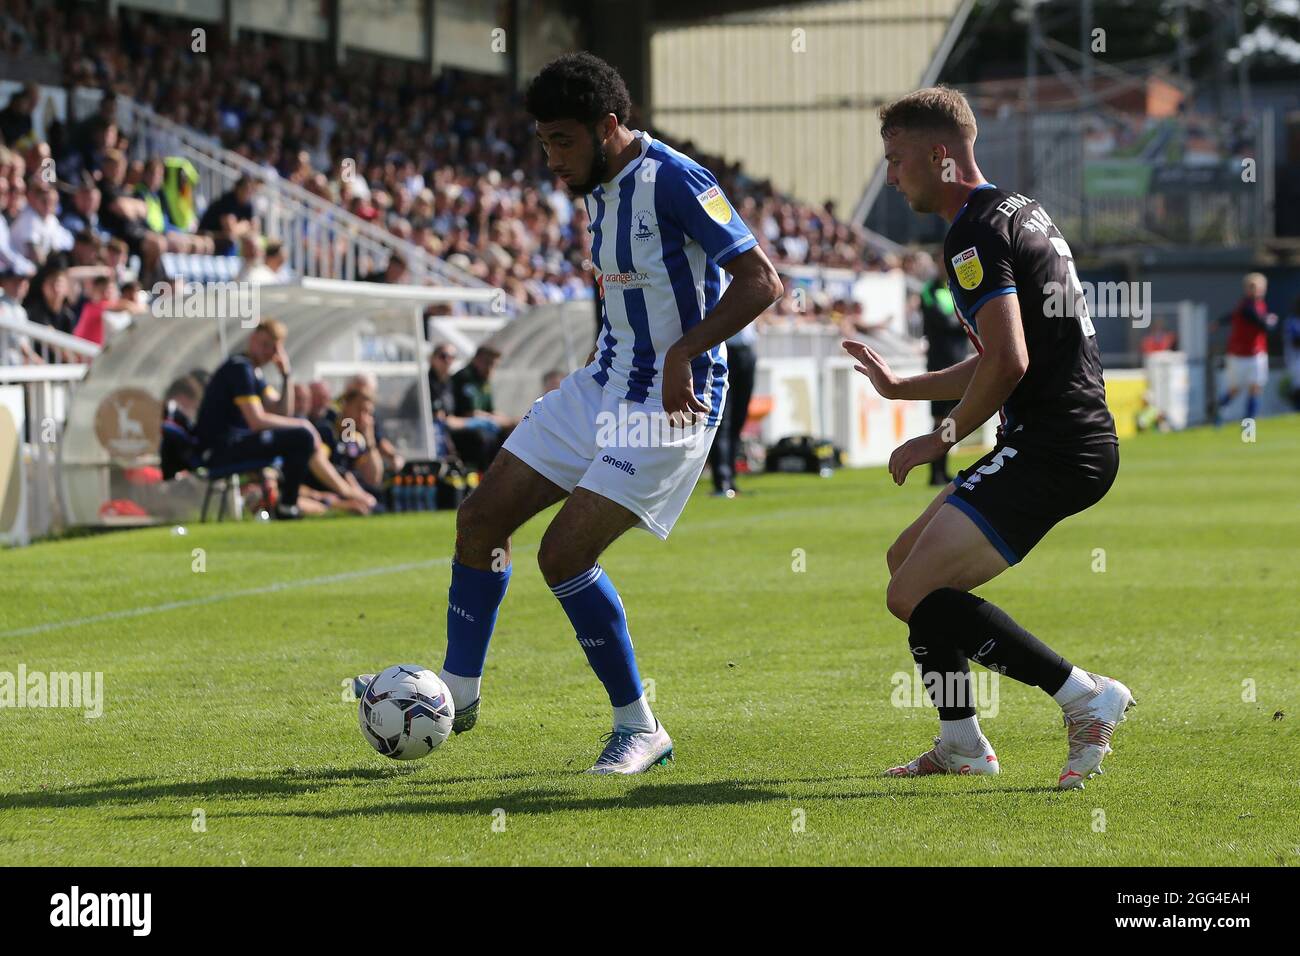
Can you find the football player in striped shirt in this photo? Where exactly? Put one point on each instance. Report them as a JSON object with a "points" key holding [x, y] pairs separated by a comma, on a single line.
{"points": [[624, 439]]}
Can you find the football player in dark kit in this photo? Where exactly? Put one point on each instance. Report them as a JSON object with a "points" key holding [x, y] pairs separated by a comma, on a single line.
{"points": [[1014, 283]]}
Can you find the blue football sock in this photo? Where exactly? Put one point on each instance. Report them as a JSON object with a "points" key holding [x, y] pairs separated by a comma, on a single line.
{"points": [[596, 612], [1252, 405], [1225, 398], [472, 603]]}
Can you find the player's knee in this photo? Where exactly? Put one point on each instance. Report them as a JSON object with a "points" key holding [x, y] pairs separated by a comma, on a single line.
{"points": [[551, 559], [472, 518], [900, 598], [480, 536], [897, 554], [560, 560]]}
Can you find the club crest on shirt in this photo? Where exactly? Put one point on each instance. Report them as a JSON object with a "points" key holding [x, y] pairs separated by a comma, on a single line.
{"points": [[968, 269], [715, 204], [645, 226]]}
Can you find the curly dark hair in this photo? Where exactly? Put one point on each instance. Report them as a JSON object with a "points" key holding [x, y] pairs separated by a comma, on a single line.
{"points": [[577, 86]]}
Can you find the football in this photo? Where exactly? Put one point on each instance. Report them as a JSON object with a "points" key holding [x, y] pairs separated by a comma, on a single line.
{"points": [[406, 712]]}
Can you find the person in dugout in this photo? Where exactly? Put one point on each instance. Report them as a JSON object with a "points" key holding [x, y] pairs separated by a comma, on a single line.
{"points": [[243, 420]]}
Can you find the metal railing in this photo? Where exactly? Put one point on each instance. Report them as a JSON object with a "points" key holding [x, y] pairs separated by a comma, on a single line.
{"points": [[321, 238]]}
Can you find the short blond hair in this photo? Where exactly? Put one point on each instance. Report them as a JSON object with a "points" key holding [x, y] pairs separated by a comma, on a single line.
{"points": [[933, 108], [274, 328]]}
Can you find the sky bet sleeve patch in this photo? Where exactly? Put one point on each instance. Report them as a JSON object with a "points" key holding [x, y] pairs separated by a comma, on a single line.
{"points": [[966, 265], [715, 204]]}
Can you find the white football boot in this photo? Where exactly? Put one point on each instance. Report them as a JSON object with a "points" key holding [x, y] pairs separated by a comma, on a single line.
{"points": [[945, 759], [1089, 724], [633, 753]]}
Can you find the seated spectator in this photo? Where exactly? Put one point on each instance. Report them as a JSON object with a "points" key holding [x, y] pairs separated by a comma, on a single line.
{"points": [[16, 117], [394, 273], [37, 232], [353, 450], [484, 430], [17, 199], [86, 250], [88, 137], [319, 401], [368, 384], [150, 191], [261, 268], [551, 380], [178, 452], [103, 298], [117, 256], [49, 303], [231, 217], [181, 401], [302, 402], [442, 400], [84, 214], [234, 427], [124, 216], [277, 262], [14, 282], [134, 300], [9, 256]]}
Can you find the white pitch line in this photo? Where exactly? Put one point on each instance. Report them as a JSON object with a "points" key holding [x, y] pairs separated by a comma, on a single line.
{"points": [[329, 579], [229, 595]]}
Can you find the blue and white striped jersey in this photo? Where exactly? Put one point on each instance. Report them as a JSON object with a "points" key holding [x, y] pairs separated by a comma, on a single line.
{"points": [[661, 231]]}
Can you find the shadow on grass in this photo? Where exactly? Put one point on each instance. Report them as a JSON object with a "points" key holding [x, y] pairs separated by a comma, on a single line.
{"points": [[284, 783], [650, 795], [428, 792], [535, 801]]}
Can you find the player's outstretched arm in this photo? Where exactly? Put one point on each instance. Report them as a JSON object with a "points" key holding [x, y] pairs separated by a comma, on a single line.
{"points": [[944, 385]]}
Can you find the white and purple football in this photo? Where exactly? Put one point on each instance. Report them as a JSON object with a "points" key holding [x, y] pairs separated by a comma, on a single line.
{"points": [[406, 712]]}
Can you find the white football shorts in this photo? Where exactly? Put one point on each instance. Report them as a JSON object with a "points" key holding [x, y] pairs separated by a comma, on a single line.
{"points": [[580, 436], [1246, 370]]}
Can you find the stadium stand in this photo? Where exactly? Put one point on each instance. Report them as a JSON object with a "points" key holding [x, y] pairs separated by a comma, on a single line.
{"points": [[383, 142]]}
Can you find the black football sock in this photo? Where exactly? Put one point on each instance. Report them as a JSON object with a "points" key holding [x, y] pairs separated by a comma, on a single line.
{"points": [[987, 635], [942, 663]]}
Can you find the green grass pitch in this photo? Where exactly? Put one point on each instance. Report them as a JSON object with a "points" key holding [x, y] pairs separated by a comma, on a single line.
{"points": [[226, 739]]}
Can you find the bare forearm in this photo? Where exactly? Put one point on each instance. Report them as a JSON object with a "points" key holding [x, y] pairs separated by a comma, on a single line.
{"points": [[990, 387], [743, 302], [324, 470], [272, 420], [947, 384]]}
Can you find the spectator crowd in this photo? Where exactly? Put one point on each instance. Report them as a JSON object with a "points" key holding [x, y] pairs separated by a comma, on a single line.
{"points": [[447, 162]]}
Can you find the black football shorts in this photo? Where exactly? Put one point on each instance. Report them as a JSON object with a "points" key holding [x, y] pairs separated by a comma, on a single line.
{"points": [[1019, 490]]}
